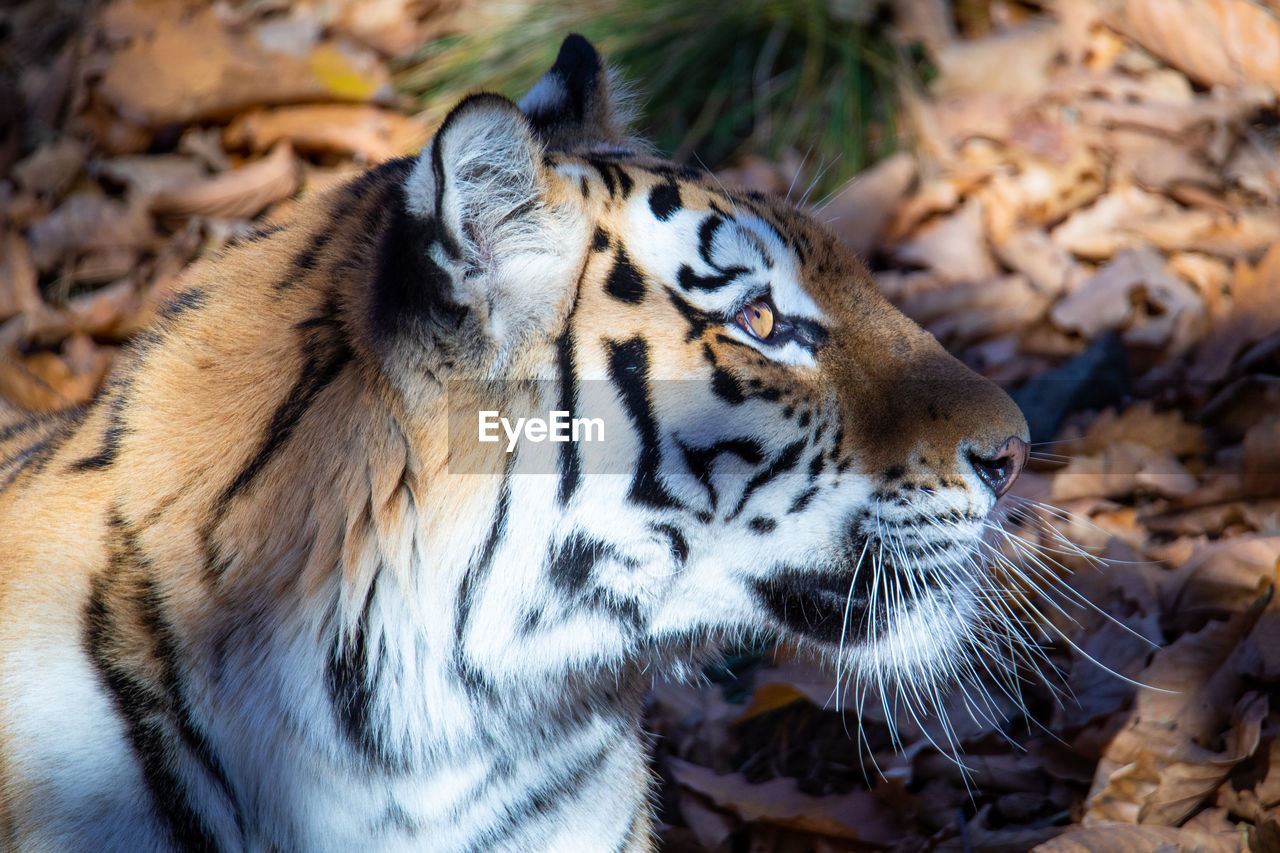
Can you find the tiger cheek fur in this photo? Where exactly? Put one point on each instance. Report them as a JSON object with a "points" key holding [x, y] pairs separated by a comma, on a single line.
{"points": [[254, 598]]}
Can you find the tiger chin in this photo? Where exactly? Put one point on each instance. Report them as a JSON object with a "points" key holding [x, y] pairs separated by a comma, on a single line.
{"points": [[253, 597]]}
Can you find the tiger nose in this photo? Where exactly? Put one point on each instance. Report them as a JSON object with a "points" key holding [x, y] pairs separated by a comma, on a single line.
{"points": [[1001, 468]]}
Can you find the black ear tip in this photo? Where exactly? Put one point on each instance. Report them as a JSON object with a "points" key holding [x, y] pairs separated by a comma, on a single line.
{"points": [[577, 57]]}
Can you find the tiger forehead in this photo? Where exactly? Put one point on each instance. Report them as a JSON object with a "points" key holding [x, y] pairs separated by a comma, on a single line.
{"points": [[670, 188], [626, 191]]}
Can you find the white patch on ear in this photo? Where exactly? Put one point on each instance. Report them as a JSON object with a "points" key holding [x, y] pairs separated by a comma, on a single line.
{"points": [[547, 95], [480, 179]]}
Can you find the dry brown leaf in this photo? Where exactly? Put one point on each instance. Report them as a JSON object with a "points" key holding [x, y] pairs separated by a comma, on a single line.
{"points": [[1141, 424], [1015, 62], [1163, 763], [102, 265], [1105, 300], [860, 214], [1255, 168], [969, 311], [1037, 191], [1030, 252], [932, 198], [1254, 312], [366, 132], [146, 175], [52, 168], [18, 279], [1261, 461], [101, 312], [47, 382], [953, 247], [1155, 163], [1228, 42], [1123, 469], [1220, 579], [239, 193], [1260, 800], [857, 815], [191, 65], [86, 221], [1137, 839], [1099, 231]]}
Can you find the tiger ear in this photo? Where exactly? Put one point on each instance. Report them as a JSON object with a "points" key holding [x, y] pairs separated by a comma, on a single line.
{"points": [[574, 105], [477, 194]]}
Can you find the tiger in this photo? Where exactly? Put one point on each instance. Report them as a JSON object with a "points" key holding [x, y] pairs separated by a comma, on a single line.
{"points": [[270, 591]]}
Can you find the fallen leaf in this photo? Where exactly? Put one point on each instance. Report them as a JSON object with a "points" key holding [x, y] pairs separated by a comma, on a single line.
{"points": [[1136, 839], [1161, 765], [1253, 313], [1015, 62], [368, 133], [1106, 300], [87, 221], [192, 66], [1219, 579], [52, 168], [1100, 230], [1141, 424], [953, 247], [241, 192], [48, 382], [857, 816], [860, 214], [146, 175], [1229, 42], [18, 279], [1045, 264]]}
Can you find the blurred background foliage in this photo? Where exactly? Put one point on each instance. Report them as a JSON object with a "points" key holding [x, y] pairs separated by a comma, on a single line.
{"points": [[718, 80]]}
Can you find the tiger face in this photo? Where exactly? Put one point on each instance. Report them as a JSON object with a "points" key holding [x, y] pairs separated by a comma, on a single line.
{"points": [[795, 455]]}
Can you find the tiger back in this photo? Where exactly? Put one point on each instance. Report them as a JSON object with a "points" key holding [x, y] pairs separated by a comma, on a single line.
{"points": [[255, 597]]}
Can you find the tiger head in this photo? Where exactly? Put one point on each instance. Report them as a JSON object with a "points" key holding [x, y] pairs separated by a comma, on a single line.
{"points": [[787, 452]]}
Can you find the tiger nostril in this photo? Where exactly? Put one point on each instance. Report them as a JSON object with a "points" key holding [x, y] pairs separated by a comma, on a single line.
{"points": [[1000, 469]]}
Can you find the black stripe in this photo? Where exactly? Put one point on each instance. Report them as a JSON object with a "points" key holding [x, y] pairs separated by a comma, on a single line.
{"points": [[625, 281], [352, 679], [699, 460], [762, 525], [471, 581], [725, 386], [599, 240], [783, 462], [616, 179], [32, 458], [412, 292], [260, 233], [572, 562], [689, 280], [324, 361], [802, 500], [543, 800], [111, 436], [697, 319], [664, 200], [629, 370], [20, 426], [570, 461], [679, 545], [156, 715]]}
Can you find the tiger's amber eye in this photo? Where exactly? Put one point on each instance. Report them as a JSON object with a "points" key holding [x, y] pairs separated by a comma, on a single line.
{"points": [[757, 318]]}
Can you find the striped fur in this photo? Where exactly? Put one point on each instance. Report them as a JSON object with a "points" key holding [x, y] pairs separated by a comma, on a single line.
{"points": [[249, 600]]}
